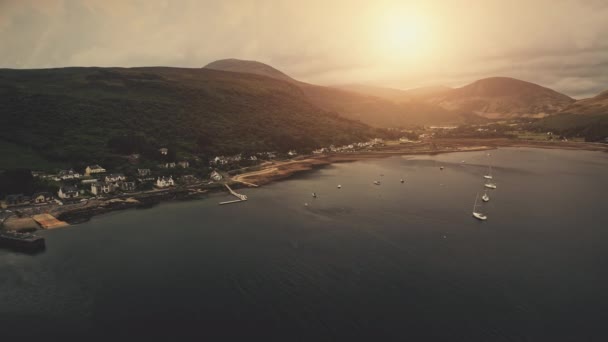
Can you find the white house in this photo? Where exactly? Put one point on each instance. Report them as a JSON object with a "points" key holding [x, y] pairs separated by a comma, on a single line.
{"points": [[67, 191], [115, 177], [94, 169], [41, 197], [215, 176], [67, 174], [101, 188], [184, 164], [164, 182], [143, 172], [163, 151]]}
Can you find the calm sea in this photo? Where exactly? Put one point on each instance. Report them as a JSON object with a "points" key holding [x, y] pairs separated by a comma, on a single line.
{"points": [[394, 262]]}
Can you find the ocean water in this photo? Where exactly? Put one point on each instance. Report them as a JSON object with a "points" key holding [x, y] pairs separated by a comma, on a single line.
{"points": [[394, 262]]}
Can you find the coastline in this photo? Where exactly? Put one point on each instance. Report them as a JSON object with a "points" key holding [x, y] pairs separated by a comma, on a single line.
{"points": [[269, 172], [282, 170]]}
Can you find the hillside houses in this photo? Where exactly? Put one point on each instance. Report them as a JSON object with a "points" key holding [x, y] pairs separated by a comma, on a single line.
{"points": [[114, 178], [100, 188], [41, 197], [67, 175], [184, 164], [215, 176], [67, 192], [93, 169], [164, 182]]}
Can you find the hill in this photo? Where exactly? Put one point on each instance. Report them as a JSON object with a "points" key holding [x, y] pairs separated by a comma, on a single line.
{"points": [[82, 114], [590, 106], [370, 109], [587, 118], [503, 97], [249, 67]]}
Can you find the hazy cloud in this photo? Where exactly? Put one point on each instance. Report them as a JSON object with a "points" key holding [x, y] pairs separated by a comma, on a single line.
{"points": [[559, 44]]}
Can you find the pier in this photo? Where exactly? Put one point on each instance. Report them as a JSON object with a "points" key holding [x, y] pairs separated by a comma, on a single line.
{"points": [[240, 197]]}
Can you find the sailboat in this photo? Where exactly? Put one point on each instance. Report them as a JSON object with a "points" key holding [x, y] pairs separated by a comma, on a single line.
{"points": [[485, 197], [490, 185], [339, 186], [314, 195], [377, 182], [402, 181], [489, 175], [476, 214]]}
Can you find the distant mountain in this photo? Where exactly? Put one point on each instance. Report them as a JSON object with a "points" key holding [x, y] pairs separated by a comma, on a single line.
{"points": [[249, 67], [381, 92], [587, 118], [590, 106], [367, 108], [78, 114], [427, 92], [503, 97]]}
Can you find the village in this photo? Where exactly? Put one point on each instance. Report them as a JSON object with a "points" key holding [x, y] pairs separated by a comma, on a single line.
{"points": [[95, 184]]}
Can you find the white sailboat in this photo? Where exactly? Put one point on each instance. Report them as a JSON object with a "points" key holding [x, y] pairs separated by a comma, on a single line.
{"points": [[489, 174], [339, 186], [485, 197], [314, 195], [377, 182], [476, 214], [402, 181], [490, 185]]}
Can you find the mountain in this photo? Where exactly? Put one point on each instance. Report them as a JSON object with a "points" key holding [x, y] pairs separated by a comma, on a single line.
{"points": [[249, 67], [590, 106], [381, 92], [84, 113], [587, 118], [369, 109], [503, 97]]}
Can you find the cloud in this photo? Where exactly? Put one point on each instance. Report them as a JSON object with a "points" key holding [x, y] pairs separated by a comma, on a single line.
{"points": [[561, 44]]}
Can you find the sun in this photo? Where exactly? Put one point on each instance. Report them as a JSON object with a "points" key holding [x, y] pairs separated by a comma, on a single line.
{"points": [[402, 36]]}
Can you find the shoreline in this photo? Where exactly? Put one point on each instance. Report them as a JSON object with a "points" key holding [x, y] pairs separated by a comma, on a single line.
{"points": [[79, 212]]}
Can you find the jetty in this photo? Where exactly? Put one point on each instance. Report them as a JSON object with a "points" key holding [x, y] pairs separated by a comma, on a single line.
{"points": [[48, 221], [240, 197], [21, 242]]}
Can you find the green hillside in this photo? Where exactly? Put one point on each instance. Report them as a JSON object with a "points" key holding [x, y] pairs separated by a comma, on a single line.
{"points": [[83, 114]]}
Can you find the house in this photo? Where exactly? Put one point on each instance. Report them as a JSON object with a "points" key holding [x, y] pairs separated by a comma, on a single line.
{"points": [[164, 182], [292, 153], [16, 199], [127, 186], [67, 191], [114, 177], [41, 197], [99, 188], [184, 164], [92, 169], [215, 176], [168, 165], [163, 151], [67, 174], [143, 172]]}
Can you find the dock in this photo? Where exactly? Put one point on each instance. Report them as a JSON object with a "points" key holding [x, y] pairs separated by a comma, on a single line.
{"points": [[240, 197], [48, 221]]}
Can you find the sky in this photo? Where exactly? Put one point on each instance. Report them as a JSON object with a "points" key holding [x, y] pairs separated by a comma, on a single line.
{"points": [[560, 44]]}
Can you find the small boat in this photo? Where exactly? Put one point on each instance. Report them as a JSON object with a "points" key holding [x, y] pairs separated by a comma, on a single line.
{"points": [[339, 186], [314, 195], [490, 185], [476, 214], [441, 168], [489, 175], [377, 182], [402, 181], [485, 197], [306, 204]]}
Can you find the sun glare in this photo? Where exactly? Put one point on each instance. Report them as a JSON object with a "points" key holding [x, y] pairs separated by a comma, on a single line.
{"points": [[403, 36]]}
